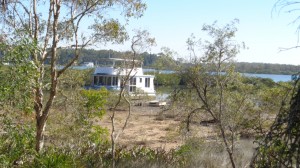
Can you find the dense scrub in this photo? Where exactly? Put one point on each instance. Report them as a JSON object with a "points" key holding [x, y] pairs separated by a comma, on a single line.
{"points": [[73, 139]]}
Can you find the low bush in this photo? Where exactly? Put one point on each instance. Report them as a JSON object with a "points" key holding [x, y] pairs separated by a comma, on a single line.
{"points": [[16, 143]]}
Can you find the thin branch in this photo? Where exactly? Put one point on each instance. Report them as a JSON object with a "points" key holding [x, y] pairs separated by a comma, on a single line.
{"points": [[289, 48], [188, 120], [47, 37]]}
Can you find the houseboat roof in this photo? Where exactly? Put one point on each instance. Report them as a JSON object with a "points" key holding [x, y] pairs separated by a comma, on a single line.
{"points": [[110, 67], [119, 59]]}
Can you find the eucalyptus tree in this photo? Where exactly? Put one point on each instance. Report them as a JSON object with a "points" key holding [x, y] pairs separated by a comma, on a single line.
{"points": [[54, 24], [216, 88]]}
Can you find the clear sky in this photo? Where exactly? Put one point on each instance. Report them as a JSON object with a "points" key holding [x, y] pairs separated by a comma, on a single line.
{"points": [[262, 29]]}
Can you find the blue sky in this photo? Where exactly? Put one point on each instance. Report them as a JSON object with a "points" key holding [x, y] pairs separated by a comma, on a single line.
{"points": [[262, 29]]}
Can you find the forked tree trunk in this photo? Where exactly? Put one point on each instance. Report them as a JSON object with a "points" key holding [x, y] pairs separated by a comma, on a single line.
{"points": [[41, 110], [41, 119]]}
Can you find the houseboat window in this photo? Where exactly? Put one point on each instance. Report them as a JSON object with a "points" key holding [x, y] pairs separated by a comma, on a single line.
{"points": [[147, 82], [133, 81], [104, 80], [115, 81], [132, 88], [108, 82], [141, 80], [95, 80], [100, 80]]}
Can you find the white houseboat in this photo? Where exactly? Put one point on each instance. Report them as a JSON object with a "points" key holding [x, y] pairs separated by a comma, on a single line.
{"points": [[112, 70]]}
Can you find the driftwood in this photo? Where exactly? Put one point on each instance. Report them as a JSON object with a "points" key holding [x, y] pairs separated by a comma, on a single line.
{"points": [[208, 122]]}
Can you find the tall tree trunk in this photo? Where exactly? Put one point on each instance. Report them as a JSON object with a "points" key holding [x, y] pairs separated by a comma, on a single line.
{"points": [[40, 128], [38, 107], [43, 111], [42, 115]]}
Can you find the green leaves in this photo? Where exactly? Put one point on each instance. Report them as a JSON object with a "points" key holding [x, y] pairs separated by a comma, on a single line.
{"points": [[17, 73], [16, 143], [133, 8], [109, 30], [94, 101], [99, 135]]}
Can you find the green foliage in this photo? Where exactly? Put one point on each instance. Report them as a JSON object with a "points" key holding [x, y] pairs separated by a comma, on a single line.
{"points": [[146, 157], [109, 30], [239, 103], [191, 146], [259, 82], [76, 113], [267, 102], [148, 59], [94, 101], [54, 158], [97, 56], [219, 91], [280, 146], [73, 78], [100, 135], [16, 143], [112, 100], [17, 78], [171, 79]]}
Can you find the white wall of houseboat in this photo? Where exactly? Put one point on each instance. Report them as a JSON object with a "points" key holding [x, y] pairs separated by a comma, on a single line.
{"points": [[143, 83]]}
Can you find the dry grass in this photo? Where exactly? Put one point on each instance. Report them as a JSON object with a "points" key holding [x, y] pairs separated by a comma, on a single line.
{"points": [[149, 127]]}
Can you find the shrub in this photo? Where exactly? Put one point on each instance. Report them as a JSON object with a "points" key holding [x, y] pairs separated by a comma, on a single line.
{"points": [[54, 157], [16, 143]]}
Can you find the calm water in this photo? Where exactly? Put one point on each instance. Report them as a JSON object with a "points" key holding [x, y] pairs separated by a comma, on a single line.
{"points": [[274, 77]]}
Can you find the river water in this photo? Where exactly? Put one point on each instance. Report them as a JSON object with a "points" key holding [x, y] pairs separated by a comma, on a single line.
{"points": [[274, 77]]}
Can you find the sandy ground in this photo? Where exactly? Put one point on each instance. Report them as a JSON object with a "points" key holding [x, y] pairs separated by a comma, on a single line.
{"points": [[146, 127]]}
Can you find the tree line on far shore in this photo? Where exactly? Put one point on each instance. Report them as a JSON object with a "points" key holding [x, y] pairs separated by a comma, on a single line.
{"points": [[149, 61]]}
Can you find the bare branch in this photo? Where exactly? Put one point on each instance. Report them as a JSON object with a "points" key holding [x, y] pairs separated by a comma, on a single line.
{"points": [[289, 48]]}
